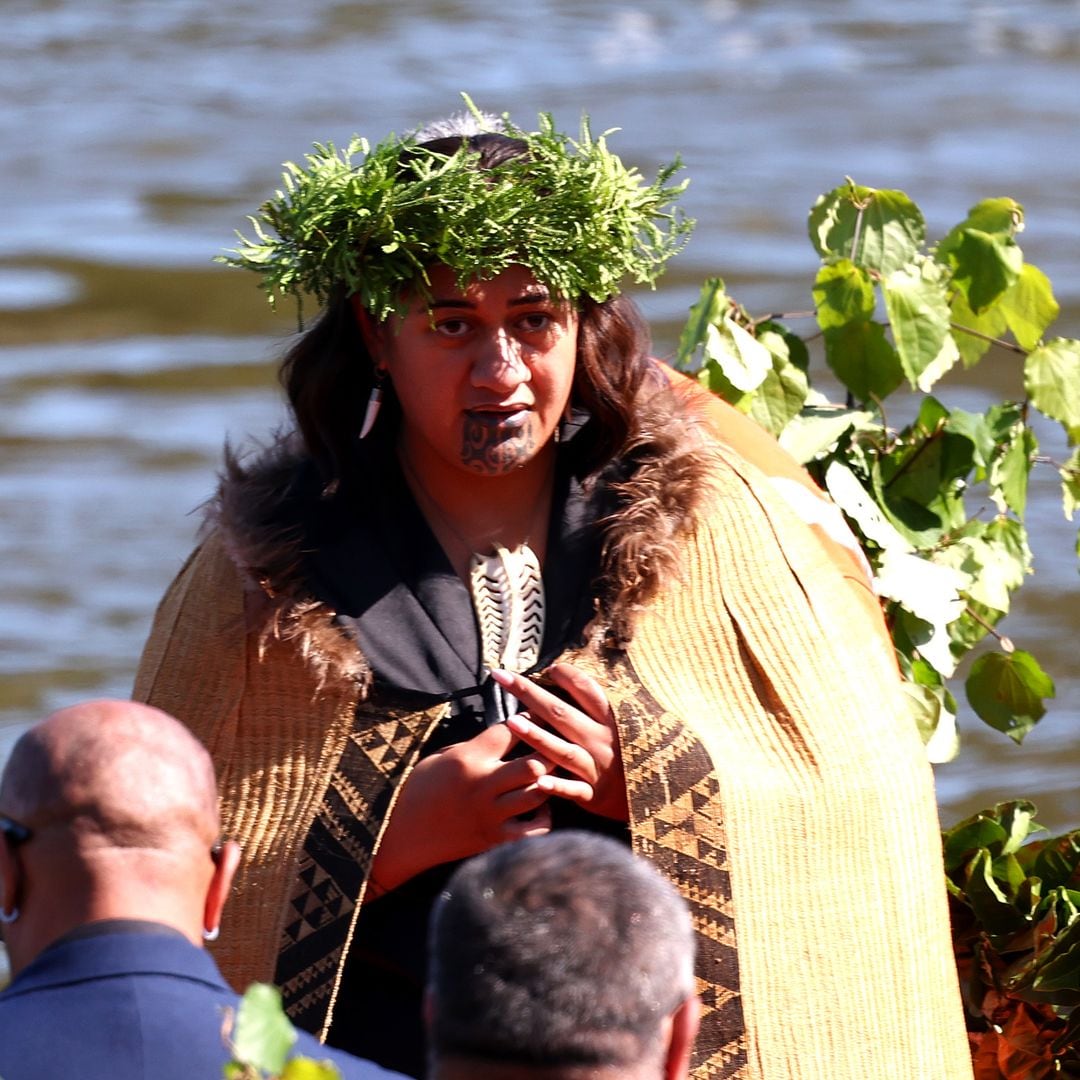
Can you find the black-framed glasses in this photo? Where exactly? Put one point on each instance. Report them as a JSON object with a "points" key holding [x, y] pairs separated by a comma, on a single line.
{"points": [[14, 831]]}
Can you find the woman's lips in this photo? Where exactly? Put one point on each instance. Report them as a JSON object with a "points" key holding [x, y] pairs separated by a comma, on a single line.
{"points": [[513, 417]]}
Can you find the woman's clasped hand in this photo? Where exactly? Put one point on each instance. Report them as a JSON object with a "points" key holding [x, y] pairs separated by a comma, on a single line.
{"points": [[466, 798], [577, 738]]}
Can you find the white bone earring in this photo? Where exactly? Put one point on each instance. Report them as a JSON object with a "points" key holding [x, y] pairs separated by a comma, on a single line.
{"points": [[374, 404], [8, 917]]}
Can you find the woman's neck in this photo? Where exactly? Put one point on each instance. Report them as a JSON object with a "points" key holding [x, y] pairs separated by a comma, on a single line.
{"points": [[471, 513]]}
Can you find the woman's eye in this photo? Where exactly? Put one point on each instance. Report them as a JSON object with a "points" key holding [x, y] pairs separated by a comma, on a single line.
{"points": [[452, 328], [536, 322]]}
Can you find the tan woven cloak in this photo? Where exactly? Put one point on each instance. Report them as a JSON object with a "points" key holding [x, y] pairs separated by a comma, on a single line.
{"points": [[771, 768]]}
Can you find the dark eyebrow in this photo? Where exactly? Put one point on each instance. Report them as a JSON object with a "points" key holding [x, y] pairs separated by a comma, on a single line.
{"points": [[457, 304], [538, 297]]}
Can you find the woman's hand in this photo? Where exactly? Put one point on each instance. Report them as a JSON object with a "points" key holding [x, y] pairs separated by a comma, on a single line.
{"points": [[582, 739], [463, 800]]}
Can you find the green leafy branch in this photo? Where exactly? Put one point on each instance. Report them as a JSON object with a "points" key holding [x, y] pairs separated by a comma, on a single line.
{"points": [[1014, 905], [940, 504], [261, 1037]]}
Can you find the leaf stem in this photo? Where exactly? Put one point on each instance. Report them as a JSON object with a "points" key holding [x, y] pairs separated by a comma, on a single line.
{"points": [[910, 460], [1005, 643], [755, 323], [1061, 466], [857, 235], [881, 409], [988, 337]]}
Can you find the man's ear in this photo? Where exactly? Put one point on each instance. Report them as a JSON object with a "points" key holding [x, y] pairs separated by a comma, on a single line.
{"points": [[225, 866], [684, 1023], [428, 1009], [10, 883]]}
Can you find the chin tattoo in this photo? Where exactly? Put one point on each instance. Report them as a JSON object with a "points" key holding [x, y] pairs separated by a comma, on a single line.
{"points": [[489, 452]]}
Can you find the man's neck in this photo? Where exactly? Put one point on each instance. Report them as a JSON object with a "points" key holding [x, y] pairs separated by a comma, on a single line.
{"points": [[23, 950]]}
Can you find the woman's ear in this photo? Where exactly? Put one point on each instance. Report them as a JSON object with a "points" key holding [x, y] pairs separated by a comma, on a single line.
{"points": [[371, 330]]}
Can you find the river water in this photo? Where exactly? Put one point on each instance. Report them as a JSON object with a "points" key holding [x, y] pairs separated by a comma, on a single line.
{"points": [[136, 134]]}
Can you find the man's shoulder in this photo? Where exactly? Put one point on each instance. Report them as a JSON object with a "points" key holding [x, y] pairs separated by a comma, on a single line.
{"points": [[351, 1068], [112, 1022], [115, 1023]]}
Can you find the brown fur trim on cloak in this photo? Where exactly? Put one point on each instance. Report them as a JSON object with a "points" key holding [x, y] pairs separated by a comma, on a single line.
{"points": [[251, 509], [658, 483], [657, 501]]}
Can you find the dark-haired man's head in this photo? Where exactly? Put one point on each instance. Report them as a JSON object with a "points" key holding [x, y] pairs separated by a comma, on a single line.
{"points": [[558, 958]]}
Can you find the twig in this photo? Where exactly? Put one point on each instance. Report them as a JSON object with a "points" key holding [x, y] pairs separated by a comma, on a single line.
{"points": [[1005, 643], [755, 323], [933, 436], [987, 337], [857, 235]]}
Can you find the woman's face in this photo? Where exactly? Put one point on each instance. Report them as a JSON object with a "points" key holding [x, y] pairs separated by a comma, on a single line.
{"points": [[483, 374]]}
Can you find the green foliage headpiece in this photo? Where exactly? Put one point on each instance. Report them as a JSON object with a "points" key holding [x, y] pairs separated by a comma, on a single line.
{"points": [[567, 209]]}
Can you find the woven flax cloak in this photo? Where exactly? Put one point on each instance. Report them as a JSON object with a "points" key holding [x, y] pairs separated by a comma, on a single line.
{"points": [[771, 768]]}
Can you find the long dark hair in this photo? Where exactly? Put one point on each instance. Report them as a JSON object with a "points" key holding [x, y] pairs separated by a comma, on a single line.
{"points": [[328, 373]]}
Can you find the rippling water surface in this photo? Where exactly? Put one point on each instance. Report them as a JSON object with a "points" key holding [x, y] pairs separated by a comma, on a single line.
{"points": [[137, 134]]}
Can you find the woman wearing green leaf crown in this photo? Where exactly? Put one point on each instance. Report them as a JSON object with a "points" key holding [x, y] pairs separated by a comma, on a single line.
{"points": [[509, 575]]}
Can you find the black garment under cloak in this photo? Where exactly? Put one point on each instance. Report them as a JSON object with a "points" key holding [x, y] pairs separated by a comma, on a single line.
{"points": [[374, 560]]}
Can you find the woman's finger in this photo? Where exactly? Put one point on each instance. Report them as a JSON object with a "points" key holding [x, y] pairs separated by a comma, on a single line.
{"points": [[562, 753], [589, 694], [563, 787], [538, 824], [520, 801], [544, 705], [496, 740], [526, 782], [518, 773]]}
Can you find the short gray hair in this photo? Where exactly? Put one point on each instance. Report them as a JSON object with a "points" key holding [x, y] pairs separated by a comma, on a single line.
{"points": [[558, 951]]}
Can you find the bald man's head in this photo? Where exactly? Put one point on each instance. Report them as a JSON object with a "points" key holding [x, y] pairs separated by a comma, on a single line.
{"points": [[121, 805], [117, 774]]}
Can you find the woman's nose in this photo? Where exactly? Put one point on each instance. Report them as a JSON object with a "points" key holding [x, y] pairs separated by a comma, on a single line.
{"points": [[499, 363]]}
